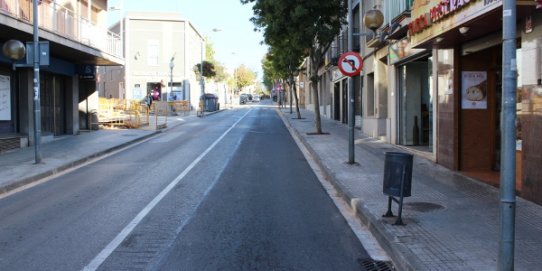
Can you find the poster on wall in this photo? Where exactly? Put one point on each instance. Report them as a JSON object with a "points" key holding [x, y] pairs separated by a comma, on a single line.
{"points": [[474, 90], [5, 98]]}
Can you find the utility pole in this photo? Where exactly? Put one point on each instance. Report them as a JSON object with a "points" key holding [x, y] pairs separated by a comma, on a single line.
{"points": [[351, 114], [508, 141], [37, 109]]}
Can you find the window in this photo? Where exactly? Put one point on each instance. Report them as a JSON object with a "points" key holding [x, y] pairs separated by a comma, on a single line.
{"points": [[153, 47]]}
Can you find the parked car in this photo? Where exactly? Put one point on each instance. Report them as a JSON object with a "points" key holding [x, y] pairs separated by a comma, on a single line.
{"points": [[243, 98], [256, 98]]}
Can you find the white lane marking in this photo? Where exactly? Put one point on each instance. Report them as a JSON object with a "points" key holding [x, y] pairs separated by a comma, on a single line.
{"points": [[102, 256]]}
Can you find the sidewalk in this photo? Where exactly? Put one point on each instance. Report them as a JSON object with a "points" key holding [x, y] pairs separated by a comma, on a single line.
{"points": [[452, 222]]}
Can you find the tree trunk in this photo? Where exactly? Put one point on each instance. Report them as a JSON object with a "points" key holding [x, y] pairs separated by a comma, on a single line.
{"points": [[314, 80], [291, 89], [296, 102]]}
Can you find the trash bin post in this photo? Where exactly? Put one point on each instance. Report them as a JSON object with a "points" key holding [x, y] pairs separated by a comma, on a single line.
{"points": [[397, 181]]}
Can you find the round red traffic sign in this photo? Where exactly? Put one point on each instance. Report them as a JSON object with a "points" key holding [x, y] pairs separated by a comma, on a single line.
{"points": [[350, 63]]}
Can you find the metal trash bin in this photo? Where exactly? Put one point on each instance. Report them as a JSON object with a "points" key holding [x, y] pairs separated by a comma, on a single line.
{"points": [[397, 180], [210, 102], [397, 174]]}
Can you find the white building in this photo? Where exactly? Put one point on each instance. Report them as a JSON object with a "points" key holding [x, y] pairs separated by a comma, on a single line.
{"points": [[154, 41]]}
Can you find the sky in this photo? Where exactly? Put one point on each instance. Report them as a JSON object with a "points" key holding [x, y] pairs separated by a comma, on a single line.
{"points": [[237, 43]]}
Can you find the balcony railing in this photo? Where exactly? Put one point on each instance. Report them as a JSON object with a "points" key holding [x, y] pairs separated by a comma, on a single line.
{"points": [[338, 47], [65, 23], [396, 8]]}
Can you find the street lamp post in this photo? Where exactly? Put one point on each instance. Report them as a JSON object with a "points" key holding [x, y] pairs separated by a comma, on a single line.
{"points": [[15, 50], [171, 66], [202, 82], [373, 19], [37, 110]]}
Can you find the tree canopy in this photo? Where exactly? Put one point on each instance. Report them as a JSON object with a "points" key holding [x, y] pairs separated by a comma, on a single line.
{"points": [[243, 77], [297, 29], [211, 67], [208, 69]]}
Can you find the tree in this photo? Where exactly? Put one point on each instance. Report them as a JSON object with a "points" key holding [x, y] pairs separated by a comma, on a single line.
{"points": [[282, 62], [306, 28], [208, 69], [220, 71], [243, 77], [209, 51], [270, 75]]}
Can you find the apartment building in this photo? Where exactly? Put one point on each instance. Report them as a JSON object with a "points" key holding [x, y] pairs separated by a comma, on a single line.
{"points": [[78, 41]]}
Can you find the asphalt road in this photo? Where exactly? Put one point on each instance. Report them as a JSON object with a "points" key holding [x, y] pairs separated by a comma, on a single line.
{"points": [[267, 211], [227, 192]]}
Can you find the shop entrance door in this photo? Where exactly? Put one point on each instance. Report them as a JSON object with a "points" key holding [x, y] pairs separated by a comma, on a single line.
{"points": [[415, 105], [479, 114], [53, 104]]}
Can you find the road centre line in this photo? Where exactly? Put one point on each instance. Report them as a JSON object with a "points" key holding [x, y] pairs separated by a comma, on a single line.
{"points": [[108, 250]]}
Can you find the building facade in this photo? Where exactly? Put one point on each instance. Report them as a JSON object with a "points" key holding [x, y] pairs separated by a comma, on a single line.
{"points": [[162, 50], [432, 82], [78, 42]]}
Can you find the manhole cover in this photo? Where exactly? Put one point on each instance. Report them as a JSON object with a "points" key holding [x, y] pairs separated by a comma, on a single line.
{"points": [[422, 206], [372, 265]]}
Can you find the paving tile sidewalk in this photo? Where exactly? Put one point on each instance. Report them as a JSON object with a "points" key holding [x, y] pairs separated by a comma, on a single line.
{"points": [[452, 222]]}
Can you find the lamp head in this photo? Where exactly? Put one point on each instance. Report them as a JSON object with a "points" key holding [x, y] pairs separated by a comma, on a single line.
{"points": [[14, 49], [373, 19]]}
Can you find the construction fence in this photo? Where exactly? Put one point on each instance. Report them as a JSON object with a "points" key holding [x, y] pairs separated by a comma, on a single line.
{"points": [[134, 114]]}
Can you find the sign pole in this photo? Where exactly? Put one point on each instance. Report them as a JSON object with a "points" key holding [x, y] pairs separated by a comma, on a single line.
{"points": [[508, 141], [351, 113], [37, 110]]}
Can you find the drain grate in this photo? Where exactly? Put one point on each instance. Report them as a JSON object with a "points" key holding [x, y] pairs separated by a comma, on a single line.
{"points": [[372, 265]]}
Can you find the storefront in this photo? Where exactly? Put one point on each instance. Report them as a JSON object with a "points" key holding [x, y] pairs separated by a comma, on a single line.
{"points": [[466, 40], [60, 92]]}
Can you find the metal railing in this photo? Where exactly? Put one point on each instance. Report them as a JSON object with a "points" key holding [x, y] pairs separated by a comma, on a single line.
{"points": [[396, 8], [64, 22], [338, 47]]}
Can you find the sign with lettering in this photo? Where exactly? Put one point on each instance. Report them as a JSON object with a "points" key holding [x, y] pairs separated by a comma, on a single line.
{"points": [[431, 18], [87, 72]]}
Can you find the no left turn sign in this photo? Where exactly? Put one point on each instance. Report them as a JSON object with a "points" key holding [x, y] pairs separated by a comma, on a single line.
{"points": [[350, 64]]}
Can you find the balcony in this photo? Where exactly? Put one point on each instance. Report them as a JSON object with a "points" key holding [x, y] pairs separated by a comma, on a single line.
{"points": [[396, 8], [338, 47], [60, 21]]}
